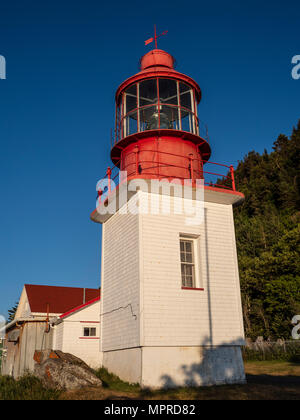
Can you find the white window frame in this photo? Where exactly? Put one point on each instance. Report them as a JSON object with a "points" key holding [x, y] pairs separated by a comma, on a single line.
{"points": [[195, 240], [89, 328]]}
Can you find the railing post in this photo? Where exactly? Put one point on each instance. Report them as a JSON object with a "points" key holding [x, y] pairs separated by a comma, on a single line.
{"points": [[100, 192], [136, 151], [200, 164], [191, 166], [232, 177], [108, 172]]}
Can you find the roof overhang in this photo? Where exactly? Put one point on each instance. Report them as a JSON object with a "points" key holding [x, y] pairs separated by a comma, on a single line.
{"points": [[125, 191]]}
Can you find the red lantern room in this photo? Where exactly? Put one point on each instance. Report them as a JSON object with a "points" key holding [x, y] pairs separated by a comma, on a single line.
{"points": [[157, 130]]}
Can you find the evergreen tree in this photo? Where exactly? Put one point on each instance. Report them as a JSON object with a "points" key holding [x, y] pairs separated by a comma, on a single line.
{"points": [[268, 237], [12, 312]]}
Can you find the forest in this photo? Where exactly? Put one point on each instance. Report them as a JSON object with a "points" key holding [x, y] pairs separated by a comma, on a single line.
{"points": [[268, 237]]}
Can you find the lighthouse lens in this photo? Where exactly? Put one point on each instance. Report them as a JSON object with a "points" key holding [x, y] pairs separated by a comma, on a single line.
{"points": [[158, 121]]}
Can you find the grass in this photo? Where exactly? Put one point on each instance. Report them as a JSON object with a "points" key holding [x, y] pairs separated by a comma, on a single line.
{"points": [[113, 382], [267, 380], [27, 388]]}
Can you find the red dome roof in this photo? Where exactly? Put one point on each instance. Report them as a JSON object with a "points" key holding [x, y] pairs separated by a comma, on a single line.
{"points": [[158, 63], [157, 58]]}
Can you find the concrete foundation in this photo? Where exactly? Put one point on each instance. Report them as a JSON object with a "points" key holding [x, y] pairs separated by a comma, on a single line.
{"points": [[125, 363], [170, 367]]}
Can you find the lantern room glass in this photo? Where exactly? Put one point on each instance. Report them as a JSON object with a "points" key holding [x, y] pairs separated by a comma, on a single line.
{"points": [[158, 103]]}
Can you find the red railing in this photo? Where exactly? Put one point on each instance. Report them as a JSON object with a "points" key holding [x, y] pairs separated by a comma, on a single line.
{"points": [[222, 177]]}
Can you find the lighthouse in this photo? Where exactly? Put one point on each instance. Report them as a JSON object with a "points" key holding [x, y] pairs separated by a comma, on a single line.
{"points": [[171, 310]]}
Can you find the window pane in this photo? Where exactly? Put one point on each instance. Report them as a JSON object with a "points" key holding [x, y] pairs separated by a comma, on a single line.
{"points": [[189, 282], [188, 246], [149, 118], [169, 117], [92, 332], [131, 123], [188, 270], [168, 91], [189, 257], [186, 121], [86, 332], [148, 92], [185, 96], [131, 99]]}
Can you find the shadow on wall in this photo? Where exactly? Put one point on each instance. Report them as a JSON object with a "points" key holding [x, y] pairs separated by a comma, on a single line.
{"points": [[218, 365]]}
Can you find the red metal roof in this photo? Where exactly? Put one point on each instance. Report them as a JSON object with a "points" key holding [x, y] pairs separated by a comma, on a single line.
{"points": [[59, 299]]}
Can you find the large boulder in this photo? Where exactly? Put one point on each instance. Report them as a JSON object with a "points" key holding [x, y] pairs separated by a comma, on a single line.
{"points": [[63, 370]]}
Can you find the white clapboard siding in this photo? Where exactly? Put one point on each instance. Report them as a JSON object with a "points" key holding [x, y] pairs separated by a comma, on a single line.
{"points": [[177, 317], [141, 268], [120, 283]]}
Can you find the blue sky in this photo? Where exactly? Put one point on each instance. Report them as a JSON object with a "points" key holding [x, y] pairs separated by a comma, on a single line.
{"points": [[64, 63]]}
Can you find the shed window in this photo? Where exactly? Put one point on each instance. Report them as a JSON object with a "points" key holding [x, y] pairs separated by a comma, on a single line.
{"points": [[89, 332]]}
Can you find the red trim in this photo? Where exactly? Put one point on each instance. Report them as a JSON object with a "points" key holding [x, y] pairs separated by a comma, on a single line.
{"points": [[90, 322], [163, 134], [89, 338], [160, 72], [224, 190], [79, 307], [191, 288]]}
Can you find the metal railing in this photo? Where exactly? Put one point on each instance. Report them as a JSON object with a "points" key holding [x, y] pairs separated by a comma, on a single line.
{"points": [[214, 174]]}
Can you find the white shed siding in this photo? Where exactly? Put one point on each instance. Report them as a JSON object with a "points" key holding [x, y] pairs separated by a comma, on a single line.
{"points": [[177, 317], [120, 282], [69, 335], [23, 310], [58, 337]]}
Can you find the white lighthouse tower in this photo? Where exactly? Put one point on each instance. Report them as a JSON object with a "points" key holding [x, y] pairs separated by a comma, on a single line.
{"points": [[170, 294]]}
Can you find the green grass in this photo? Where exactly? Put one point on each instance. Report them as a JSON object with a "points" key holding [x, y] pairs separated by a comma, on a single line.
{"points": [[26, 388], [113, 382]]}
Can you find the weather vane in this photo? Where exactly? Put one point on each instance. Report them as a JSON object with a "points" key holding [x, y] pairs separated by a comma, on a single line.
{"points": [[155, 37]]}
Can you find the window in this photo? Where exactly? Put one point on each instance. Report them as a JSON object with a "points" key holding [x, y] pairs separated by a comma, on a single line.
{"points": [[158, 103], [89, 332], [187, 257]]}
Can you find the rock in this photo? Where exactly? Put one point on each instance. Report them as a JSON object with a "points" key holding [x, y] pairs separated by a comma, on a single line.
{"points": [[63, 370]]}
